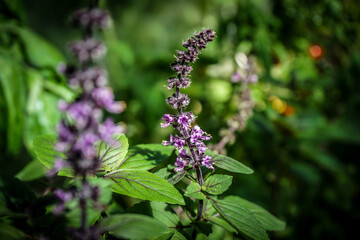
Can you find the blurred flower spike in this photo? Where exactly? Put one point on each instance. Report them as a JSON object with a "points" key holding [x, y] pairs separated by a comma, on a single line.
{"points": [[246, 69], [83, 124]]}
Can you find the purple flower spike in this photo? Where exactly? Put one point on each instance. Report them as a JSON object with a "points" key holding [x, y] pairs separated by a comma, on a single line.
{"points": [[192, 136]]}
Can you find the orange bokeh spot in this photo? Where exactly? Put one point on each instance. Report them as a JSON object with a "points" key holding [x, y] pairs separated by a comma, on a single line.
{"points": [[316, 51], [289, 111]]}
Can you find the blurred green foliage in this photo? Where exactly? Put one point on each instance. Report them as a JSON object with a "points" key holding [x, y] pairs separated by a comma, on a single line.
{"points": [[303, 140]]}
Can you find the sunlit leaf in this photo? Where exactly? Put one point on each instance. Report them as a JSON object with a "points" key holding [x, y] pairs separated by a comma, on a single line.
{"points": [[217, 184], [44, 148], [112, 154], [144, 185], [146, 156]]}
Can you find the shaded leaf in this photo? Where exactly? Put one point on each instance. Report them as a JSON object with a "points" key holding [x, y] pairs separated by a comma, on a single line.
{"points": [[170, 175], [134, 226], [11, 233], [240, 218], [203, 227], [217, 184], [267, 220], [33, 170], [163, 212], [222, 223], [15, 194], [144, 185], [13, 91]]}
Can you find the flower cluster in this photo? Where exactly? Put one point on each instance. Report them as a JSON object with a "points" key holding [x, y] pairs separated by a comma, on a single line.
{"points": [[83, 125], [191, 135]]}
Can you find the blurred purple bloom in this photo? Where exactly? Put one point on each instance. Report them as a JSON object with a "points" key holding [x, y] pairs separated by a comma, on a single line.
{"points": [[108, 128], [87, 50], [95, 17]]}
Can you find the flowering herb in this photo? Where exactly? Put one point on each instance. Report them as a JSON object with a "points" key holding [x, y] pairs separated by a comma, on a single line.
{"points": [[192, 154], [83, 126], [191, 136]]}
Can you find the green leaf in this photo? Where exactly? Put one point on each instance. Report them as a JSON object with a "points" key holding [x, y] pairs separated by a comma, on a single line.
{"points": [[240, 218], [194, 190], [164, 236], [177, 236], [11, 233], [229, 164], [222, 223], [217, 184], [170, 175], [38, 51], [146, 156], [164, 213], [12, 88], [144, 185], [33, 170], [133, 226], [267, 220], [45, 150], [112, 154]]}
